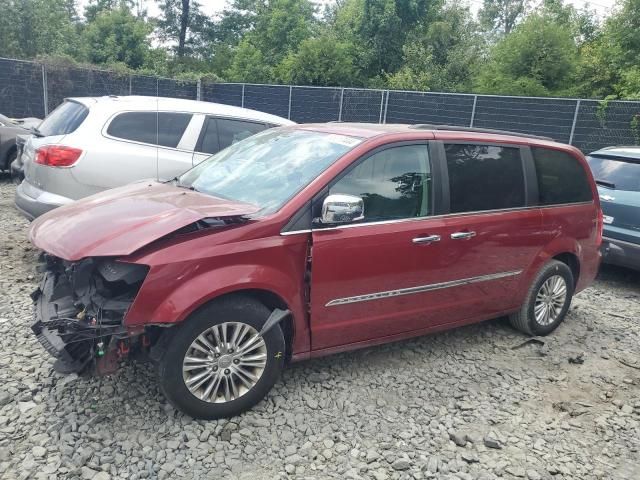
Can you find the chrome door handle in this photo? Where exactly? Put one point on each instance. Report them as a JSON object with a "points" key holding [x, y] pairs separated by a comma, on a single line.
{"points": [[462, 235], [427, 240]]}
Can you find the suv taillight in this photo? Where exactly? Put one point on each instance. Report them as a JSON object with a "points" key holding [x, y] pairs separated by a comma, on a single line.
{"points": [[600, 227], [57, 155]]}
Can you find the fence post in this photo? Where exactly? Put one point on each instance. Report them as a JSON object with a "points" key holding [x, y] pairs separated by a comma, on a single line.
{"points": [[473, 110], [199, 89], [386, 106], [573, 125], [381, 106], [340, 111], [130, 82], [290, 92], [45, 93], [242, 101]]}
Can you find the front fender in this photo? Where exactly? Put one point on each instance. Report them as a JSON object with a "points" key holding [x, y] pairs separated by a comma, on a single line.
{"points": [[159, 303]]}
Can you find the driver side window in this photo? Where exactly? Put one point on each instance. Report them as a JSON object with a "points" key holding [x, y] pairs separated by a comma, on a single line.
{"points": [[394, 183]]}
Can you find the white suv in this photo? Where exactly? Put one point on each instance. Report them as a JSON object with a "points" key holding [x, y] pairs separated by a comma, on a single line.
{"points": [[90, 144]]}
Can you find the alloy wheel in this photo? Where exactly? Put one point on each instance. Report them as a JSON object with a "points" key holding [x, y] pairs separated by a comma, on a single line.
{"points": [[224, 362], [550, 300]]}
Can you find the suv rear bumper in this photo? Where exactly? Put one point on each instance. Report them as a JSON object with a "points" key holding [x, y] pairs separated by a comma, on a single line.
{"points": [[619, 252], [33, 202]]}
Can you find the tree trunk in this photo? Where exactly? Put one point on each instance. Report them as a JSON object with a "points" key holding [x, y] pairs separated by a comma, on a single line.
{"points": [[184, 24]]}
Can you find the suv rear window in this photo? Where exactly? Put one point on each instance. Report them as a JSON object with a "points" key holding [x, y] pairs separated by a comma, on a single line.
{"points": [[66, 118], [617, 173], [484, 177], [156, 128], [561, 178]]}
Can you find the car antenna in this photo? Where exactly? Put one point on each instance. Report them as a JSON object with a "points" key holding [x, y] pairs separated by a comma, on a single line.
{"points": [[157, 138]]}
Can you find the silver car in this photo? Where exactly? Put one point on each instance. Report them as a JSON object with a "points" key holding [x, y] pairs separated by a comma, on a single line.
{"points": [[91, 144]]}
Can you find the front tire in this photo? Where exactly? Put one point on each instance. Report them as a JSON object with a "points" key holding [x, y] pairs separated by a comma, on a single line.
{"points": [[216, 365], [547, 300]]}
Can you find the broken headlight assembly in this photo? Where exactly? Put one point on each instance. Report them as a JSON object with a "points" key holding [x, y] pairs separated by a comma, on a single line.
{"points": [[80, 308]]}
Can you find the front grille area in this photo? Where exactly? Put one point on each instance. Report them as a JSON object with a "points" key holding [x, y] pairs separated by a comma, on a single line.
{"points": [[80, 308]]}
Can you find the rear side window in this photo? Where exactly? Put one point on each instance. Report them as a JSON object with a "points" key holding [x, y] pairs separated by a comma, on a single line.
{"points": [[561, 178], [394, 183], [616, 173], [219, 133], [484, 177], [64, 119], [232, 131], [157, 128]]}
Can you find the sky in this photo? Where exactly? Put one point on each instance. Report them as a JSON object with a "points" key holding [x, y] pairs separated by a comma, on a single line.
{"points": [[212, 7]]}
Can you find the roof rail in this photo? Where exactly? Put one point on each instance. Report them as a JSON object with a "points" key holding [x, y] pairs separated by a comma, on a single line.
{"points": [[429, 126]]}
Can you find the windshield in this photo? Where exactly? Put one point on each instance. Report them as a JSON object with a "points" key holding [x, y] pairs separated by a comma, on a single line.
{"points": [[268, 168], [64, 119], [616, 173]]}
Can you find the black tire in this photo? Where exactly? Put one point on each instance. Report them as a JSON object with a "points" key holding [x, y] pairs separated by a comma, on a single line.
{"points": [[525, 319], [230, 309], [10, 158]]}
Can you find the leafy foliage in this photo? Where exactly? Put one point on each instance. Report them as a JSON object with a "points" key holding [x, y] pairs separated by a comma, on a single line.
{"points": [[518, 47]]}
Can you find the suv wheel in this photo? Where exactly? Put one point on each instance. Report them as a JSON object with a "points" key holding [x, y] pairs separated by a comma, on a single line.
{"points": [[217, 365], [547, 300]]}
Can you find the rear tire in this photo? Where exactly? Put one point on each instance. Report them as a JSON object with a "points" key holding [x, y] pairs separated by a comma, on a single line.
{"points": [[236, 374], [547, 300]]}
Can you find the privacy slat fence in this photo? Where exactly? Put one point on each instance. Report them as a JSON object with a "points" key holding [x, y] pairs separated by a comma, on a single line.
{"points": [[34, 89]]}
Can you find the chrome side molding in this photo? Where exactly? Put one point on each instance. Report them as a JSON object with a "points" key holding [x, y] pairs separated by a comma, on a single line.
{"points": [[422, 288]]}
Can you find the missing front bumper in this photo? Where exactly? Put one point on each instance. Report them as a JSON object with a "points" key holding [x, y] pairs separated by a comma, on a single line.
{"points": [[79, 310]]}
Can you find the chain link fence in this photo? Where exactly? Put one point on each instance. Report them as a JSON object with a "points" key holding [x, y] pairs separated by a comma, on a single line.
{"points": [[34, 89]]}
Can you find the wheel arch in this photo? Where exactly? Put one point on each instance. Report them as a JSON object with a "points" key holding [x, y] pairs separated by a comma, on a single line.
{"points": [[7, 155], [573, 262]]}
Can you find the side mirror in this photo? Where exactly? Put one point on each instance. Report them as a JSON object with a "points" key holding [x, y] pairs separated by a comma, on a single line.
{"points": [[340, 208]]}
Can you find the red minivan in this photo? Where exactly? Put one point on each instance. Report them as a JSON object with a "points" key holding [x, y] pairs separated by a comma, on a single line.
{"points": [[307, 240]]}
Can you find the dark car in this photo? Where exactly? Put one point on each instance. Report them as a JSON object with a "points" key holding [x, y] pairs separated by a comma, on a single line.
{"points": [[9, 129], [308, 240], [617, 173]]}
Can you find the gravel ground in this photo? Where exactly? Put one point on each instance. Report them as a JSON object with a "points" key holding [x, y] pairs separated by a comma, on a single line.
{"points": [[476, 402]]}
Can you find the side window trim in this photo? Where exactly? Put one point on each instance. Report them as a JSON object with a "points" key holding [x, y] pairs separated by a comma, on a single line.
{"points": [[532, 199], [208, 119], [191, 133], [439, 169]]}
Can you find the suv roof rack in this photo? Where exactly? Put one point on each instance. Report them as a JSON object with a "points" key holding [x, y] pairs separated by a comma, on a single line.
{"points": [[430, 126]]}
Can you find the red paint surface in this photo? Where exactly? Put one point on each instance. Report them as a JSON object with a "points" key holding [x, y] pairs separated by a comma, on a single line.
{"points": [[187, 271], [122, 220]]}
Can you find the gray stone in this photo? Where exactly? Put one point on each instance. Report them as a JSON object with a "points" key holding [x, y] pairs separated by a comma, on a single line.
{"points": [[401, 464]]}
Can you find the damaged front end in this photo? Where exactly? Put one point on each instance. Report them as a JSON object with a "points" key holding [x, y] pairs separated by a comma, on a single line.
{"points": [[80, 309]]}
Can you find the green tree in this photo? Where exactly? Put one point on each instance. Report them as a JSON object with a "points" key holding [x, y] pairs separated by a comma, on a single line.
{"points": [[378, 30], [279, 27], [249, 65], [537, 58], [501, 16], [441, 55], [117, 36], [323, 60], [608, 64], [183, 22], [38, 27]]}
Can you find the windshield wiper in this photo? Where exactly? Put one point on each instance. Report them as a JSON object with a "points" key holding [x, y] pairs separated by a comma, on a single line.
{"points": [[37, 132], [176, 182], [605, 184]]}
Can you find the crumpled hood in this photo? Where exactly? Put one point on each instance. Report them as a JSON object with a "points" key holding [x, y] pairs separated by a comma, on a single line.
{"points": [[122, 220]]}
